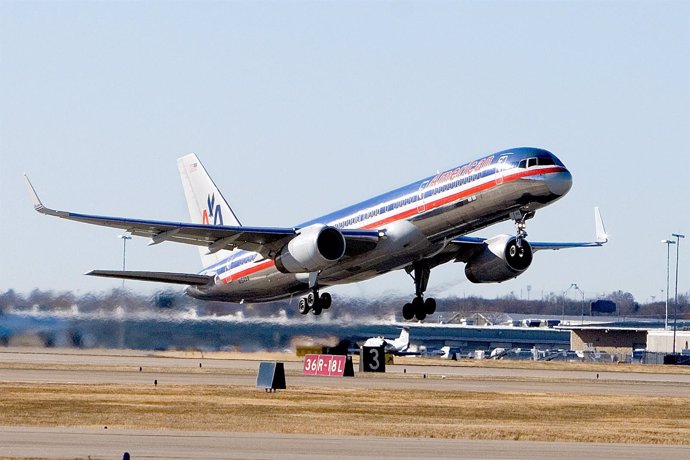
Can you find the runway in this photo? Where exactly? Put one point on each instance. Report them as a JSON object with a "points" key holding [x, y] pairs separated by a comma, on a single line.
{"points": [[122, 368], [151, 444]]}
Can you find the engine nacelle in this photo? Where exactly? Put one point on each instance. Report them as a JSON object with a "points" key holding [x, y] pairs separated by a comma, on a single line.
{"points": [[315, 248], [500, 260]]}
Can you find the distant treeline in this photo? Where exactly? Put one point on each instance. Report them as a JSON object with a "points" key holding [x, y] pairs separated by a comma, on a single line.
{"points": [[349, 307]]}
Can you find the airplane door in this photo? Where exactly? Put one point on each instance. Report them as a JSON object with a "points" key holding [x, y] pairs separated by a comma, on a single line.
{"points": [[421, 205], [500, 169]]}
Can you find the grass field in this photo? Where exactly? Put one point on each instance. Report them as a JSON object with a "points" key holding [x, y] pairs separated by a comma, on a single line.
{"points": [[339, 411], [577, 417]]}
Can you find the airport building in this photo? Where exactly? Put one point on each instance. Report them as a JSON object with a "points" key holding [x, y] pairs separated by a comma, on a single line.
{"points": [[662, 341], [613, 339], [619, 341], [470, 338], [589, 337], [629, 343]]}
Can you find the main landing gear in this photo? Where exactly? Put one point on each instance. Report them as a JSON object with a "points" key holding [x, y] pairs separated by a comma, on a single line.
{"points": [[314, 302], [419, 307]]}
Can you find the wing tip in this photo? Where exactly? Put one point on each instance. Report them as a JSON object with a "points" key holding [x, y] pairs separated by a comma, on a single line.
{"points": [[38, 204], [601, 235]]}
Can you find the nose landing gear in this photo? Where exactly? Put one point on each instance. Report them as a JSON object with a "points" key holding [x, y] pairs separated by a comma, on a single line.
{"points": [[520, 217]]}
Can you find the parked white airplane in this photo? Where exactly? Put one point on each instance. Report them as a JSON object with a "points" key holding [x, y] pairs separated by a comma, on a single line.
{"points": [[415, 228], [397, 346]]}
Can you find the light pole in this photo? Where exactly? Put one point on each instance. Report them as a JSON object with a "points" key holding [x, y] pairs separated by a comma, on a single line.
{"points": [[563, 301], [675, 303], [668, 244], [124, 239], [582, 307], [678, 237]]}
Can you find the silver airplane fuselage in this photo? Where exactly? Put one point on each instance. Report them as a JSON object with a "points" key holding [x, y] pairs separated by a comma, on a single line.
{"points": [[417, 223]]}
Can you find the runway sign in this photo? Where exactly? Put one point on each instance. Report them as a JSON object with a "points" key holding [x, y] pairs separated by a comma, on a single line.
{"points": [[328, 365], [271, 376], [372, 359]]}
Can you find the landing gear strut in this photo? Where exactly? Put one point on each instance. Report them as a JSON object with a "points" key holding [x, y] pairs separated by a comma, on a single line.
{"points": [[419, 307]]}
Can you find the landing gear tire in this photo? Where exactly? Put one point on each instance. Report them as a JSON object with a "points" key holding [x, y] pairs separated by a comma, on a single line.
{"points": [[325, 301], [430, 306], [311, 299], [314, 302], [408, 311], [419, 310], [302, 306]]}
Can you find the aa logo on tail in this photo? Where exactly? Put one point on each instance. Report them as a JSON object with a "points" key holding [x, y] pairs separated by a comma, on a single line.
{"points": [[212, 212]]}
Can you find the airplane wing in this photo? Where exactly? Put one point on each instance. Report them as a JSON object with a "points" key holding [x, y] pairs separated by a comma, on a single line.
{"points": [[264, 240], [600, 240], [466, 246]]}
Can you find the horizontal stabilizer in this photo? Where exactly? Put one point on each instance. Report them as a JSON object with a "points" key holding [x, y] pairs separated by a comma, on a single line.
{"points": [[160, 277]]}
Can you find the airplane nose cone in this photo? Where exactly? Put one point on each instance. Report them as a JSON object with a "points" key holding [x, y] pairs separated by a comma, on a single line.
{"points": [[560, 183]]}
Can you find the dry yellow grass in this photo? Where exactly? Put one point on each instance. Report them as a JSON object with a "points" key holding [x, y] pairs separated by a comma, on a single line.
{"points": [[339, 411], [351, 411]]}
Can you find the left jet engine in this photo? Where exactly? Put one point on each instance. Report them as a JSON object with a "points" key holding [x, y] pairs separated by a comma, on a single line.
{"points": [[315, 248]]}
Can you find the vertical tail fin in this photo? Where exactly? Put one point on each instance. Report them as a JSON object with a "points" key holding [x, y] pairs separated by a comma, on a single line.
{"points": [[206, 204], [404, 339]]}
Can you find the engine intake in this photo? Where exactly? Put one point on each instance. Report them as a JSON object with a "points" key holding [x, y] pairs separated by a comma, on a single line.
{"points": [[501, 259], [315, 248]]}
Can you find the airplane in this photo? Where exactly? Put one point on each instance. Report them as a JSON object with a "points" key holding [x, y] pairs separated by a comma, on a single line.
{"points": [[414, 228], [448, 352], [397, 346]]}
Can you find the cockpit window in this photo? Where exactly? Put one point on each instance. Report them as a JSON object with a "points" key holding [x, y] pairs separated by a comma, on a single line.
{"points": [[537, 161]]}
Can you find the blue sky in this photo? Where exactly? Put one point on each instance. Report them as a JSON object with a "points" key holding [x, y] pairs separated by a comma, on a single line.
{"points": [[300, 108]]}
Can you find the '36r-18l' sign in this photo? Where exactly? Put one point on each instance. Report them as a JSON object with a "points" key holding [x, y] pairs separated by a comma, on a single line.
{"points": [[328, 365]]}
